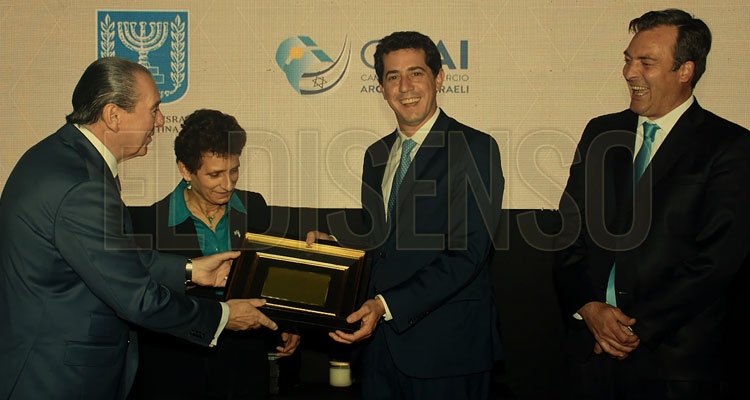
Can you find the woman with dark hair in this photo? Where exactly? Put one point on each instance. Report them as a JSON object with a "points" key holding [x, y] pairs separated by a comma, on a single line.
{"points": [[204, 215]]}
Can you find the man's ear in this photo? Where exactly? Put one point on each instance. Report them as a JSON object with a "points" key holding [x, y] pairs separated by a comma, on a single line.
{"points": [[111, 116], [686, 71], [439, 79]]}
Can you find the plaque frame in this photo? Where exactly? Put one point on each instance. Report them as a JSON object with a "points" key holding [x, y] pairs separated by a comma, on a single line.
{"points": [[267, 263]]}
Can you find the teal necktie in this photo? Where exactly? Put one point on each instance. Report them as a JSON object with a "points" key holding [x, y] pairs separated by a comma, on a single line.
{"points": [[644, 154], [642, 160], [403, 165]]}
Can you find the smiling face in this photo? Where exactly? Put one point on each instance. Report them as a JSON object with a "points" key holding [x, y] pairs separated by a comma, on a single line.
{"points": [[656, 88], [410, 88], [136, 128], [215, 179]]}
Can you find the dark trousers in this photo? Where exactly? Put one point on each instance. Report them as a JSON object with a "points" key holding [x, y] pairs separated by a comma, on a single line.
{"points": [[170, 368], [381, 379], [605, 378]]}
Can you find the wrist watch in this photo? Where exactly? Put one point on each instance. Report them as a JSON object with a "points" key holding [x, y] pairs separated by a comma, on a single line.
{"points": [[189, 272]]}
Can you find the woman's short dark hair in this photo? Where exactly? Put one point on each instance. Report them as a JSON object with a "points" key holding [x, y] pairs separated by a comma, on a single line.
{"points": [[107, 80], [208, 132], [693, 37], [407, 40]]}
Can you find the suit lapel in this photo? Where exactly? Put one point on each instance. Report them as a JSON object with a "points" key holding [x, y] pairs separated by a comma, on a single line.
{"points": [[97, 170], [95, 163], [621, 163], [237, 228], [681, 138], [434, 143], [182, 236], [379, 154]]}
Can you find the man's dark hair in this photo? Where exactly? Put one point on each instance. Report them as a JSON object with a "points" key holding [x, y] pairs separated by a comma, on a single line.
{"points": [[407, 40], [106, 80], [693, 37], [208, 132]]}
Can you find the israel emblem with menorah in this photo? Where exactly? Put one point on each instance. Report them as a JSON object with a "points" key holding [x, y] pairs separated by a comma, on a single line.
{"points": [[155, 39]]}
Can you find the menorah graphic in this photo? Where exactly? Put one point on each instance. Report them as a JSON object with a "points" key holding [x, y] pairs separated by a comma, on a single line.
{"points": [[142, 43]]}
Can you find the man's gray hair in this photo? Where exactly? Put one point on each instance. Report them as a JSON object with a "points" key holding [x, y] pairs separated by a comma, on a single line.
{"points": [[106, 80]]}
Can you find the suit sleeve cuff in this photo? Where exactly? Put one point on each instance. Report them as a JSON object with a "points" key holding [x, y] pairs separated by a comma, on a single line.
{"points": [[387, 316], [222, 323]]}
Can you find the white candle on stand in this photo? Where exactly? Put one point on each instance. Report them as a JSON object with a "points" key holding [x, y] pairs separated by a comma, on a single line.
{"points": [[339, 374]]}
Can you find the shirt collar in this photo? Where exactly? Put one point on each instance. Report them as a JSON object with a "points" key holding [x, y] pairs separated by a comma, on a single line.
{"points": [[179, 212], [667, 122], [425, 129], [109, 158]]}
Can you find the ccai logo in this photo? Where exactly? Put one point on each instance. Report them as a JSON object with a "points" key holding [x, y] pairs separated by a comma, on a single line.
{"points": [[308, 68], [455, 60], [155, 39]]}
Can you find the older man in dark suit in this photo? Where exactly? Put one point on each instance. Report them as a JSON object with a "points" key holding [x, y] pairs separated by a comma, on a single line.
{"points": [[71, 279], [656, 212]]}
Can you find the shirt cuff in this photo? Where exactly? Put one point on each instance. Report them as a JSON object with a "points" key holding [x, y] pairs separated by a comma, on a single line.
{"points": [[578, 316], [387, 316], [222, 323]]}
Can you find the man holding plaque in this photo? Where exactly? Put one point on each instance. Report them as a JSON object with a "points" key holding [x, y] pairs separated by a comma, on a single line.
{"points": [[431, 194], [71, 278]]}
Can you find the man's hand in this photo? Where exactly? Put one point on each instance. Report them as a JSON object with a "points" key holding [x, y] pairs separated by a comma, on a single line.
{"points": [[244, 314], [213, 270], [291, 341], [314, 236], [611, 329], [370, 313]]}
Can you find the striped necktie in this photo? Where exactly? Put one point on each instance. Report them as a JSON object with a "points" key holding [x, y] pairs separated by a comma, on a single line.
{"points": [[643, 157], [406, 147]]}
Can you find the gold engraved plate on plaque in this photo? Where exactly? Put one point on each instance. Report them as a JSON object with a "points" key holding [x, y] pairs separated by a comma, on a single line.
{"points": [[316, 285], [296, 286]]}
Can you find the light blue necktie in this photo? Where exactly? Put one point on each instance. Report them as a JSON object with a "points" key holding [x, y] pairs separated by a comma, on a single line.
{"points": [[642, 160], [406, 147]]}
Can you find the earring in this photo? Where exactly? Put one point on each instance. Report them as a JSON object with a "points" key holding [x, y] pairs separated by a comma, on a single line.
{"points": [[189, 186]]}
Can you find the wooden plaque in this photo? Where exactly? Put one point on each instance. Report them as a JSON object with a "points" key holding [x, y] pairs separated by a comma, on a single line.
{"points": [[317, 286]]}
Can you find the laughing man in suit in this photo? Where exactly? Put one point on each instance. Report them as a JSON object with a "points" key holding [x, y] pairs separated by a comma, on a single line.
{"points": [[658, 218]]}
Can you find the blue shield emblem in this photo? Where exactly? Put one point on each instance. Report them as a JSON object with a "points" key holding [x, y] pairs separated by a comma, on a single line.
{"points": [[155, 39], [308, 68]]}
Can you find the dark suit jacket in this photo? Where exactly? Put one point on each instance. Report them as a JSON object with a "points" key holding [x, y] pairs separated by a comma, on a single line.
{"points": [[175, 368], [70, 280], [678, 240], [432, 267]]}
